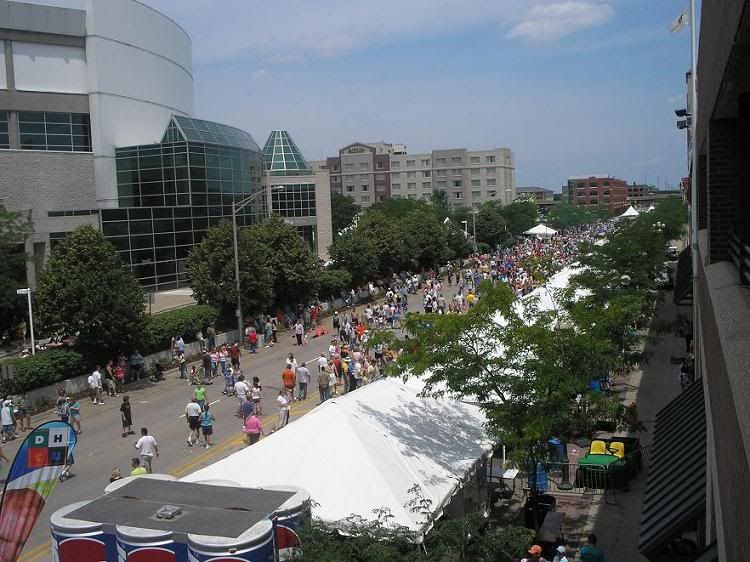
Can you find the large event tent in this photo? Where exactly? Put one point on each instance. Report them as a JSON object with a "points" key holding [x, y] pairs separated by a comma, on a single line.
{"points": [[541, 230], [365, 450], [630, 213]]}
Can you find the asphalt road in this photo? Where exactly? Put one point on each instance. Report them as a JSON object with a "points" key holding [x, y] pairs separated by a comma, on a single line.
{"points": [[160, 407]]}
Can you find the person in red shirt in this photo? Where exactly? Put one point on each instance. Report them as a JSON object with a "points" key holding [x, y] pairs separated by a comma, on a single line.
{"points": [[289, 378], [252, 340], [234, 355]]}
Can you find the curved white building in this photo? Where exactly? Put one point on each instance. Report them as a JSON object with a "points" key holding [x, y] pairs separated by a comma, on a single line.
{"points": [[74, 84]]}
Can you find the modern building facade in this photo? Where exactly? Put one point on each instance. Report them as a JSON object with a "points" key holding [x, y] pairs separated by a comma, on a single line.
{"points": [[544, 197], [371, 172], [298, 193], [97, 127], [712, 504], [597, 191], [65, 105]]}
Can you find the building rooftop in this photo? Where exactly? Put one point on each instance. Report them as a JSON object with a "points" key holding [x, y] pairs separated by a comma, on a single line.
{"points": [[282, 157], [534, 189], [182, 128]]}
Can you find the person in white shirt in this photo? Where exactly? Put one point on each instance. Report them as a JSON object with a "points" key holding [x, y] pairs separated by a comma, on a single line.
{"points": [[322, 361], [303, 378], [147, 448], [240, 390], [193, 416], [95, 386], [560, 554], [6, 419], [283, 402]]}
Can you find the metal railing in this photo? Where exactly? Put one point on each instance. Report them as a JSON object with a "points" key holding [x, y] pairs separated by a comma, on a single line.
{"points": [[573, 478], [739, 253]]}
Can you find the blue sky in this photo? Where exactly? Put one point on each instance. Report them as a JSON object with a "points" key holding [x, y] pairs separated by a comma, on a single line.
{"points": [[571, 86]]}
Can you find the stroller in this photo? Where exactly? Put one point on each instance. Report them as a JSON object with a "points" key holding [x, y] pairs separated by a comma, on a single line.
{"points": [[229, 381]]}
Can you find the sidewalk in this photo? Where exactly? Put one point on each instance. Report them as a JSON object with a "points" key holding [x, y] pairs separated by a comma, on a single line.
{"points": [[651, 385]]}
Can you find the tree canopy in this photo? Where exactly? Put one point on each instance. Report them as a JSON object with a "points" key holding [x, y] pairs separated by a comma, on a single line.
{"points": [[343, 211], [85, 290], [212, 276], [564, 215], [14, 229]]}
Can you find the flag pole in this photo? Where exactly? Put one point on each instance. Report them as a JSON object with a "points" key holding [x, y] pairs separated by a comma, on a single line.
{"points": [[694, 199]]}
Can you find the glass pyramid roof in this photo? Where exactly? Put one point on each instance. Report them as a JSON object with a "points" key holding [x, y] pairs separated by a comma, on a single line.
{"points": [[282, 157], [197, 130]]}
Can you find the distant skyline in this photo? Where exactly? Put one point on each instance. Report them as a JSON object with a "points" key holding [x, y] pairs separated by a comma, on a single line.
{"points": [[571, 86]]}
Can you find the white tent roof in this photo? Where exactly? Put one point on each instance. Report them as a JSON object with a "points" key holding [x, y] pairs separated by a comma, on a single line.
{"points": [[630, 212], [541, 230], [384, 436]]}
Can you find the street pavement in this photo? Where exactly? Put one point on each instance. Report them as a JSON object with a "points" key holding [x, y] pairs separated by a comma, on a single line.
{"points": [[160, 407]]}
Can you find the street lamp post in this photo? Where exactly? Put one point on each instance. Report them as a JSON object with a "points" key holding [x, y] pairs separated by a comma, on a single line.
{"points": [[27, 292], [474, 228], [236, 207]]}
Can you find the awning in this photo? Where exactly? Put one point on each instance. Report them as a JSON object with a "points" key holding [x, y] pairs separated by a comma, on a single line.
{"points": [[676, 492], [683, 279]]}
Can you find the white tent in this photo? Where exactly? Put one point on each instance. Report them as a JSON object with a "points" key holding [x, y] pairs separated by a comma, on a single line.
{"points": [[365, 450], [541, 230], [630, 213]]}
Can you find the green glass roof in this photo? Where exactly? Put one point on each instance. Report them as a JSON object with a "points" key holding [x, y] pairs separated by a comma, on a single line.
{"points": [[282, 157], [199, 130]]}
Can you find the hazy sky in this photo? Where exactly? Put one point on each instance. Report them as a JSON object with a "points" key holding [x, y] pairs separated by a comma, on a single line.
{"points": [[571, 86]]}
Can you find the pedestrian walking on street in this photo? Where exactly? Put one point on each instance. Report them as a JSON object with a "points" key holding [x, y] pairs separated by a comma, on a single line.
{"points": [[63, 407], [252, 340], [120, 378], [240, 390], [289, 381], [283, 404], [136, 366], [303, 378], [110, 385], [253, 428], [22, 412], [182, 361], [248, 406], [200, 395], [324, 384], [126, 416], [6, 419], [590, 552], [299, 331], [234, 355], [257, 394], [74, 411], [95, 386], [193, 416], [147, 447], [207, 426]]}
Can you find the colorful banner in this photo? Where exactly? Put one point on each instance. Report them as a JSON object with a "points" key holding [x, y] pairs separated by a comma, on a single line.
{"points": [[31, 479]]}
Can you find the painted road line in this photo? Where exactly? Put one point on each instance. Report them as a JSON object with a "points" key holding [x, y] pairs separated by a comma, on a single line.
{"points": [[36, 553], [184, 469]]}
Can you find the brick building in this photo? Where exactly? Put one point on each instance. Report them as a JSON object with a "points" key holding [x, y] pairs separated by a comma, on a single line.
{"points": [[708, 500], [596, 191]]}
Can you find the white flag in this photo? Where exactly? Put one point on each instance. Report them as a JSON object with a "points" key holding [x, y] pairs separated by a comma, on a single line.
{"points": [[682, 20]]}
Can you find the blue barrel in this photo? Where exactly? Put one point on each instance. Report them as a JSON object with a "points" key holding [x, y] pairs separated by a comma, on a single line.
{"points": [[74, 540], [112, 486], [254, 545], [288, 519], [148, 545]]}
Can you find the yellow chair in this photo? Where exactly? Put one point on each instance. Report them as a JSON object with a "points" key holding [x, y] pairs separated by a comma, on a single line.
{"points": [[598, 448], [617, 448]]}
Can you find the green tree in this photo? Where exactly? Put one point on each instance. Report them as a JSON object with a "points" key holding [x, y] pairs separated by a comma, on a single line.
{"points": [[564, 215], [295, 267], [85, 290], [212, 274], [525, 372], [343, 211], [491, 226], [440, 199], [14, 229], [333, 282], [521, 215]]}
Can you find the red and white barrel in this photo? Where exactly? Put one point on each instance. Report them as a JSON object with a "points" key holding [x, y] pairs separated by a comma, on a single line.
{"points": [[288, 519], [254, 545], [148, 545], [74, 540], [117, 484]]}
